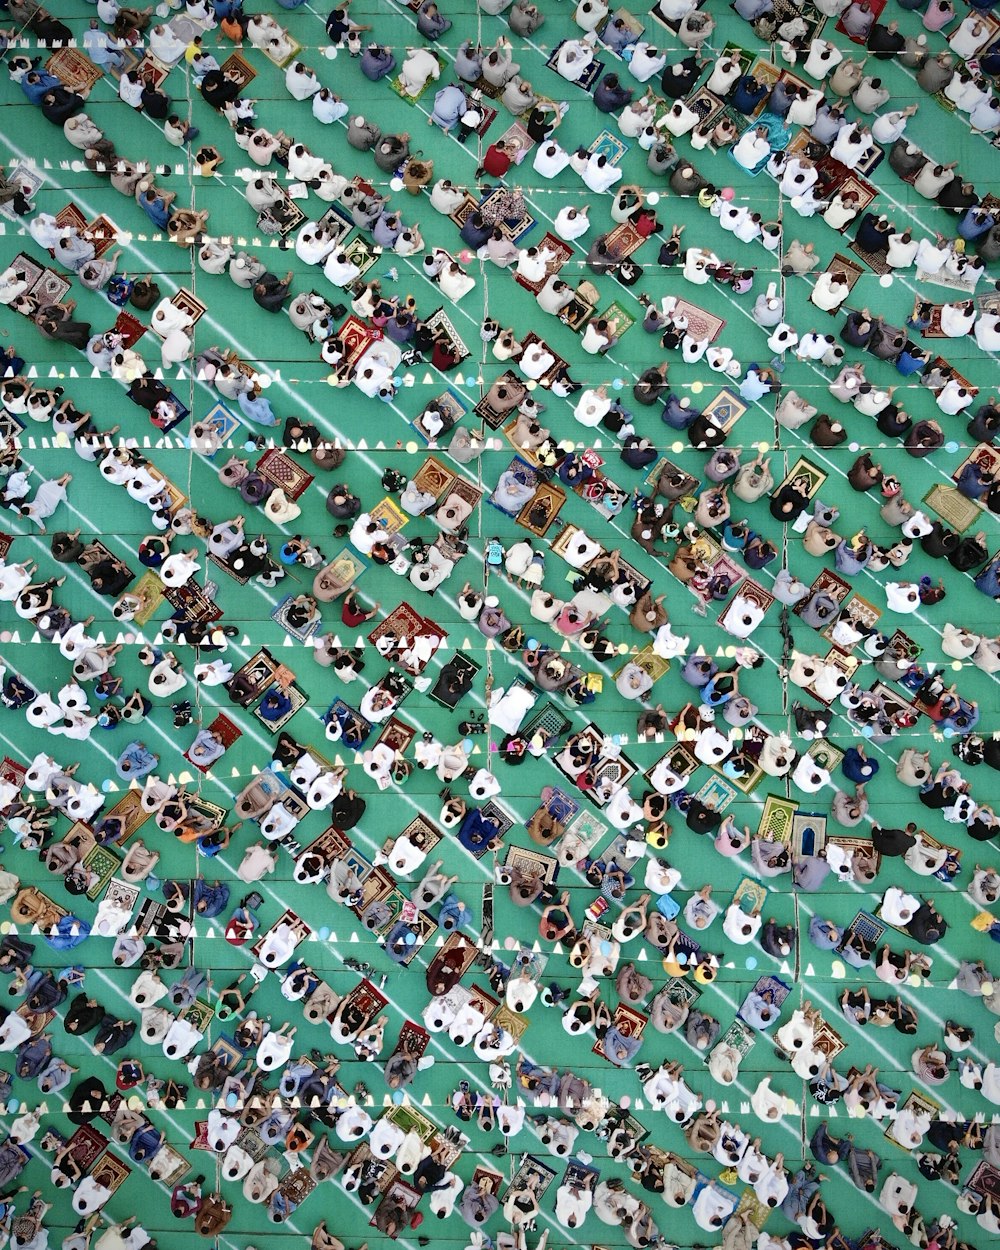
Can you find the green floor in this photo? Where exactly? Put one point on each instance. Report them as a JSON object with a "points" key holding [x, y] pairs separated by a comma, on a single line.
{"points": [[383, 435]]}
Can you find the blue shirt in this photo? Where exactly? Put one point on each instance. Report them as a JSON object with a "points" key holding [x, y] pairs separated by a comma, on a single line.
{"points": [[35, 90], [256, 408], [907, 364], [156, 210]]}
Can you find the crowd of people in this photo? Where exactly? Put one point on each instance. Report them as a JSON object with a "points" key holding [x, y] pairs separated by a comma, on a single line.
{"points": [[563, 620]]}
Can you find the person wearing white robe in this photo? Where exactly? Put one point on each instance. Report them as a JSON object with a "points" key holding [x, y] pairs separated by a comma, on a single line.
{"points": [[455, 282], [646, 61], [599, 174], [751, 148], [300, 81], [550, 159], [889, 127], [987, 332], [328, 107], [571, 223], [420, 67], [573, 59], [830, 291], [902, 250], [930, 257], [592, 406], [823, 58], [957, 319], [635, 117]]}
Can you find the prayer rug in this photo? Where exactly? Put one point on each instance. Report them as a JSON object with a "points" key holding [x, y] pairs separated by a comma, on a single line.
{"points": [[397, 735], [789, 10], [301, 932], [628, 1021], [303, 633], [725, 409], [464, 211], [519, 142], [588, 80], [277, 467], [434, 478], [532, 1174], [631, 22], [718, 792], [28, 180], [356, 337], [805, 468], [12, 772], [389, 516], [744, 56], [808, 833], [330, 845], [482, 86], [356, 729], [513, 228], [74, 68], [403, 621], [875, 7], [825, 755], [617, 313], [295, 1188], [238, 69], [30, 267], [952, 507], [542, 509], [702, 324], [440, 321], [758, 1211], [279, 56], [298, 700], [563, 253], [918, 1103], [863, 615], [190, 304], [111, 1171], [50, 287], [86, 1146], [397, 85], [874, 260], [451, 689], [549, 376], [103, 233], [709, 107], [227, 731], [752, 591], [770, 986], [944, 279], [151, 67], [130, 328], [623, 240], [609, 145], [775, 822], [362, 252], [489, 117], [984, 1179], [477, 844], [851, 271], [101, 864]]}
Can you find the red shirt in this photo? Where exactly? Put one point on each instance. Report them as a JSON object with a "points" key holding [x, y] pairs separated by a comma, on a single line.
{"points": [[496, 162], [351, 615]]}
